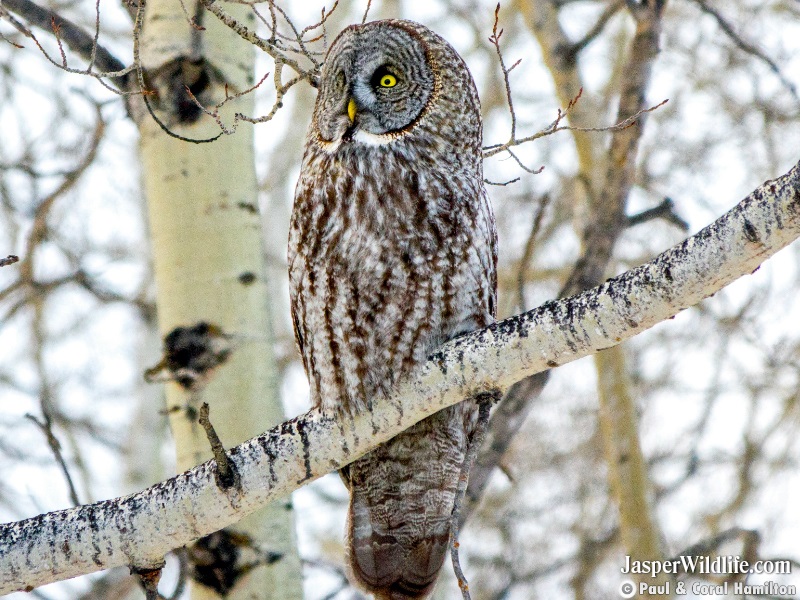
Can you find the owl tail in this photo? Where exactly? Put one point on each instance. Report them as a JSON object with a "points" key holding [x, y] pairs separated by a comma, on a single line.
{"points": [[401, 499]]}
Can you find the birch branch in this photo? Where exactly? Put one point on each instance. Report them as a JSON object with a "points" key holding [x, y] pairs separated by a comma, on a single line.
{"points": [[74, 37], [139, 529]]}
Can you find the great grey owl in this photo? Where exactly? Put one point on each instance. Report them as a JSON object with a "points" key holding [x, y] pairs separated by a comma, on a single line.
{"points": [[392, 251]]}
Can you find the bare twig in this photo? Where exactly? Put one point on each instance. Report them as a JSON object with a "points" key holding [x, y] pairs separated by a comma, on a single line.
{"points": [[227, 475], [495, 41], [4, 38], [475, 443], [138, 24], [71, 178], [74, 37], [572, 51], [506, 421], [214, 112], [501, 183], [366, 12], [325, 15], [522, 165], [9, 260], [748, 47], [279, 46], [555, 127], [270, 46], [195, 23], [55, 446], [522, 275], [95, 42], [298, 35], [280, 92]]}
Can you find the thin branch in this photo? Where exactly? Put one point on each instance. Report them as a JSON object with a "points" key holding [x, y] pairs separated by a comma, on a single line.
{"points": [[475, 444], [506, 421], [527, 253], [298, 35], [271, 47], [75, 38], [228, 476], [3, 37], [195, 21], [145, 92], [71, 178], [572, 51], [9, 260], [95, 39], [278, 46], [141, 528], [555, 127], [664, 210], [280, 93], [320, 24], [55, 447], [494, 39], [366, 12], [748, 47], [501, 183], [522, 165]]}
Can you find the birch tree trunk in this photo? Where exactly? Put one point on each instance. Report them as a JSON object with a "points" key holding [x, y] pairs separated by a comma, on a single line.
{"points": [[209, 268]]}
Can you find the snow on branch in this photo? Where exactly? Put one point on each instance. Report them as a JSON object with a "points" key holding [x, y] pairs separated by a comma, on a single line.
{"points": [[138, 530]]}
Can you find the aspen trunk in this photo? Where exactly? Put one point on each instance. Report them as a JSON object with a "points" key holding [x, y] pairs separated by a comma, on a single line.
{"points": [[209, 263]]}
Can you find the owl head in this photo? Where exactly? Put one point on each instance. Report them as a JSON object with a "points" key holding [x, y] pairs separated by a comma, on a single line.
{"points": [[386, 80]]}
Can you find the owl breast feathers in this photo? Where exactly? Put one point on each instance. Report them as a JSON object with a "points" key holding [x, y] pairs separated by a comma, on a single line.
{"points": [[392, 251]]}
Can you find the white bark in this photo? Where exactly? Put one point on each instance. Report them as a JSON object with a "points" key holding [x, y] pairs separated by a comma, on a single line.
{"points": [[139, 529], [209, 266]]}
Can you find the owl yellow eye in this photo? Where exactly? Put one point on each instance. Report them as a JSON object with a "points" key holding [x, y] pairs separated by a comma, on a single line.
{"points": [[388, 81]]}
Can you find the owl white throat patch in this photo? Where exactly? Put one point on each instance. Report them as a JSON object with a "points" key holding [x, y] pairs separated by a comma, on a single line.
{"points": [[359, 136], [373, 139]]}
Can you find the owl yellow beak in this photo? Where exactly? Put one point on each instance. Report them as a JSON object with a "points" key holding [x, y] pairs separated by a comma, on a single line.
{"points": [[351, 110]]}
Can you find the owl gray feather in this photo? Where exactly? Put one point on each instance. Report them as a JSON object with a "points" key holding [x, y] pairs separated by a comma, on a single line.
{"points": [[392, 251]]}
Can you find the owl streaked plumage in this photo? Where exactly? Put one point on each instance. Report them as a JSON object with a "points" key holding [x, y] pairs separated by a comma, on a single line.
{"points": [[392, 251]]}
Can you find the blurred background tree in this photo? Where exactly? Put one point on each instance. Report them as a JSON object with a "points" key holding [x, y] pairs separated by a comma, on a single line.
{"points": [[687, 435]]}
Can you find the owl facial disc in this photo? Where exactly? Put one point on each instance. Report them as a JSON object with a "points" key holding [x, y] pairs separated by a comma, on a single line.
{"points": [[380, 80]]}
